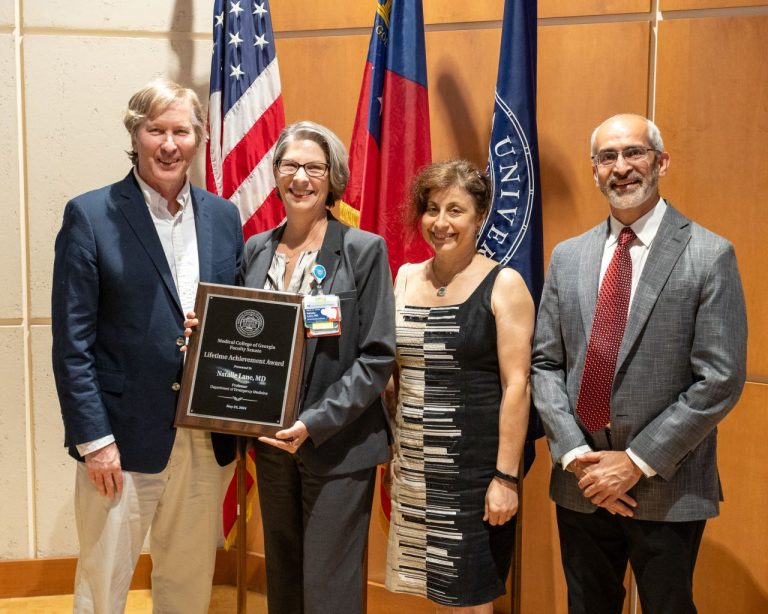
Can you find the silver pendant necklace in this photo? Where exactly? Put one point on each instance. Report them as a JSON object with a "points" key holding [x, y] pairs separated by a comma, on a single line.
{"points": [[444, 286]]}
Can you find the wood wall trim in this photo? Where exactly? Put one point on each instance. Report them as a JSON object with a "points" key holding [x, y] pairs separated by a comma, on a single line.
{"points": [[56, 576]]}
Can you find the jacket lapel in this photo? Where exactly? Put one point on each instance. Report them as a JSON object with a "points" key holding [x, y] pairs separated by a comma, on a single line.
{"points": [[131, 204], [589, 274], [261, 263], [204, 232], [672, 237]]}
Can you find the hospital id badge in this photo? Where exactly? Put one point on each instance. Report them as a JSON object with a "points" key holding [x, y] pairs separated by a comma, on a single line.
{"points": [[322, 315]]}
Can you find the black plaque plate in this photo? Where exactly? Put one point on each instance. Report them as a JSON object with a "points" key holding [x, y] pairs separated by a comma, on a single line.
{"points": [[244, 366]]}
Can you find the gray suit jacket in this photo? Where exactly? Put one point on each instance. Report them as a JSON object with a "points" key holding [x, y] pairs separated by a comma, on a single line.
{"points": [[681, 365], [345, 375]]}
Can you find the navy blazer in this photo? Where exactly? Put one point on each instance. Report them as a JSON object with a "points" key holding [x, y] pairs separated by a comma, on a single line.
{"points": [[344, 376], [117, 321]]}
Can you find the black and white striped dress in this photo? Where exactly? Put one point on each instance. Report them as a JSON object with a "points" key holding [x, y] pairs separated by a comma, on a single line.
{"points": [[445, 452]]}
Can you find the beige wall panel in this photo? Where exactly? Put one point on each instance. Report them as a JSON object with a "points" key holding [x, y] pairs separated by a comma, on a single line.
{"points": [[732, 570], [674, 5], [321, 79], [75, 136], [291, 15], [10, 244], [136, 15], [7, 14], [712, 107], [578, 88], [13, 446], [567, 8], [54, 468]]}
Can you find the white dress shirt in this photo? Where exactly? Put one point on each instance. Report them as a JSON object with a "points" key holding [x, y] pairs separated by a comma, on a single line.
{"points": [[178, 237], [645, 228]]}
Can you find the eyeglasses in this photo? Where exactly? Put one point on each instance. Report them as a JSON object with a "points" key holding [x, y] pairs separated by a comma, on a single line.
{"points": [[312, 169], [609, 157]]}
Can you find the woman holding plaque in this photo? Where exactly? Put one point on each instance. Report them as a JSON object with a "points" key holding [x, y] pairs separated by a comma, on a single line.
{"points": [[464, 329], [316, 478]]}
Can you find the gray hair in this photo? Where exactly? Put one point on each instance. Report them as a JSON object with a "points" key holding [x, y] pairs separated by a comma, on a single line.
{"points": [[154, 99], [654, 134], [335, 153]]}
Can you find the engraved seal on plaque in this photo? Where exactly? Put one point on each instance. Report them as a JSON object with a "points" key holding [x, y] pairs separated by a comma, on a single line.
{"points": [[249, 323]]}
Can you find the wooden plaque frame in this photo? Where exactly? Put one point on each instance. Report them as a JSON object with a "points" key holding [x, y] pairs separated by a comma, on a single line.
{"points": [[245, 362]]}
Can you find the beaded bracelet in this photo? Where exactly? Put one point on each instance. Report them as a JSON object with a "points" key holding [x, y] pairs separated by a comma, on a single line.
{"points": [[512, 479]]}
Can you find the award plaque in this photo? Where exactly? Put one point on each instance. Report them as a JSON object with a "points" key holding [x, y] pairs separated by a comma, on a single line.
{"points": [[244, 365]]}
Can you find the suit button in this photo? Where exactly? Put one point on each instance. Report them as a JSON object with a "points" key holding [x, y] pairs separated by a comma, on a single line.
{"points": [[175, 386], [180, 341]]}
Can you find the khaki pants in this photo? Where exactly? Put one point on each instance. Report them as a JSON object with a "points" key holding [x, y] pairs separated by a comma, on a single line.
{"points": [[182, 504]]}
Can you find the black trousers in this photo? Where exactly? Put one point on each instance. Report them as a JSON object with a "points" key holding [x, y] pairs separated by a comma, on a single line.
{"points": [[595, 549], [315, 534]]}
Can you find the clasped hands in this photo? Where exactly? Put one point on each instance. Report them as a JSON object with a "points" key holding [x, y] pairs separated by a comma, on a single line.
{"points": [[605, 477]]}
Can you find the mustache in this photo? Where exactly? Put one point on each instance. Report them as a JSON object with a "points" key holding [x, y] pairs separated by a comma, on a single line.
{"points": [[633, 176]]}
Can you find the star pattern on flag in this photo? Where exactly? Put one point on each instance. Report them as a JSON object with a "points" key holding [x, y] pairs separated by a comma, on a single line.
{"points": [[234, 39], [243, 47]]}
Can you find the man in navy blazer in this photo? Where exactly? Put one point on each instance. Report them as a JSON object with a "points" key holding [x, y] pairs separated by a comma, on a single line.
{"points": [[128, 260], [640, 485]]}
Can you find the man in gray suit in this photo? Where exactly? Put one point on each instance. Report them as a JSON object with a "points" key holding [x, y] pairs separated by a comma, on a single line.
{"points": [[639, 352]]}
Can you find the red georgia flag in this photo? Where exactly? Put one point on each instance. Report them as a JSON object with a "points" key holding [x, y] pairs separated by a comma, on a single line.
{"points": [[390, 139]]}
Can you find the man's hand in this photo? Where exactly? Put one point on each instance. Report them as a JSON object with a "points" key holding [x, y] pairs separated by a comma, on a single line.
{"points": [[104, 470], [500, 502], [606, 479], [577, 467], [289, 439], [190, 324]]}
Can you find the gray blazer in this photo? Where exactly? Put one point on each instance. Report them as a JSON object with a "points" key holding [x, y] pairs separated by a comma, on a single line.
{"points": [[681, 365], [344, 376]]}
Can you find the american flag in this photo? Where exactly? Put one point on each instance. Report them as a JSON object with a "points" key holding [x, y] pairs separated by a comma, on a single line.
{"points": [[245, 112], [245, 117]]}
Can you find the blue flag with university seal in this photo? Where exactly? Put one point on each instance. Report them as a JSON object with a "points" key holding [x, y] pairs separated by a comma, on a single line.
{"points": [[512, 232]]}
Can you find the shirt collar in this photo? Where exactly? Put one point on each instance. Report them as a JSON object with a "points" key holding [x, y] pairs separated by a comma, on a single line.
{"points": [[156, 203], [645, 227]]}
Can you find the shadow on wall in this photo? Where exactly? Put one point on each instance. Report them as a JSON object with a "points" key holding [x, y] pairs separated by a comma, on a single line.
{"points": [[469, 139], [182, 22], [744, 595]]}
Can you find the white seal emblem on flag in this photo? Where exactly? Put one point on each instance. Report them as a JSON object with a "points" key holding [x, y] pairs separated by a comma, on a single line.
{"points": [[249, 323], [510, 166]]}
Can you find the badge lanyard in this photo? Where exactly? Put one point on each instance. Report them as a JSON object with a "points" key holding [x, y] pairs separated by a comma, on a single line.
{"points": [[322, 312]]}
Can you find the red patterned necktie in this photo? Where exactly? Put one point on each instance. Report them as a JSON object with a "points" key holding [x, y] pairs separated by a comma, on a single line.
{"points": [[594, 404]]}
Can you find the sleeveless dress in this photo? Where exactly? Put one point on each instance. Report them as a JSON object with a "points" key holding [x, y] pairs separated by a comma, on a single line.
{"points": [[446, 440]]}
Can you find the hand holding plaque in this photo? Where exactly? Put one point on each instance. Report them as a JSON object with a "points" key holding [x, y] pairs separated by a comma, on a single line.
{"points": [[244, 366]]}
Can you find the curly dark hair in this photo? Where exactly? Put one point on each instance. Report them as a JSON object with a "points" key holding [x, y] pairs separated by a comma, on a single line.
{"points": [[443, 175]]}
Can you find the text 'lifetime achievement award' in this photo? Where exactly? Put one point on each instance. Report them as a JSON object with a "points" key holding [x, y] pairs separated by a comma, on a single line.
{"points": [[244, 366]]}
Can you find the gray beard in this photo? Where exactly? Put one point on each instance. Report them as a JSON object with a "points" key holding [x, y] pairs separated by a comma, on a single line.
{"points": [[638, 197]]}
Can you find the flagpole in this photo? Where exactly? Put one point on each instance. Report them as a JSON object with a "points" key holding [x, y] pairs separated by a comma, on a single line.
{"points": [[517, 558], [242, 582]]}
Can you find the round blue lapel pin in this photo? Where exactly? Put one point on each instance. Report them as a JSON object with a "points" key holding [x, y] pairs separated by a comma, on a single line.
{"points": [[319, 273]]}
